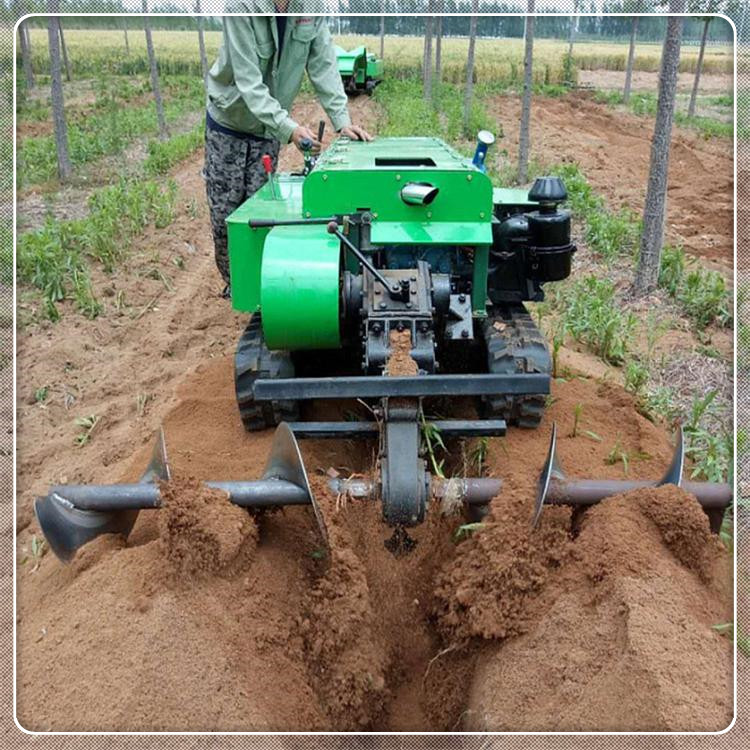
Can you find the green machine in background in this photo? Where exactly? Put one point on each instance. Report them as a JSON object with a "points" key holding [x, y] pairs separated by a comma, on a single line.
{"points": [[394, 275], [361, 71]]}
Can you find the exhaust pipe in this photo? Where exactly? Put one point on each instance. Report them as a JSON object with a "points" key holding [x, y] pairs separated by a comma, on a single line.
{"points": [[419, 193]]}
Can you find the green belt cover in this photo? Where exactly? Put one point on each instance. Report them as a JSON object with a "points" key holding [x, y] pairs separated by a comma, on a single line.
{"points": [[299, 288]]}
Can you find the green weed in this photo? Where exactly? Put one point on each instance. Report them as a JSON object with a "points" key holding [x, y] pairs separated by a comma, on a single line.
{"points": [[163, 155], [595, 318], [54, 259], [705, 299], [87, 425]]}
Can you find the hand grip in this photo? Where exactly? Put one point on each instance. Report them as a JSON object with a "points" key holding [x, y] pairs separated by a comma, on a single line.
{"points": [[321, 130], [267, 164]]}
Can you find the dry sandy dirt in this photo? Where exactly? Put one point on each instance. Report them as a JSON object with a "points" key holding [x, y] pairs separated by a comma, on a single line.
{"points": [[209, 619], [613, 150]]}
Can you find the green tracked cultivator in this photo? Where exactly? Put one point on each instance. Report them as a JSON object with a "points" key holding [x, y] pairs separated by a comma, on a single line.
{"points": [[361, 71], [397, 240]]}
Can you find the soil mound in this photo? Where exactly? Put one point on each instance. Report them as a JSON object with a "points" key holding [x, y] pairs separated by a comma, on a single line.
{"points": [[200, 530], [489, 590], [632, 610], [208, 619]]}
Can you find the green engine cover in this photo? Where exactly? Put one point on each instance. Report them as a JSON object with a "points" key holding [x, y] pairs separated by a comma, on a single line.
{"points": [[299, 288]]}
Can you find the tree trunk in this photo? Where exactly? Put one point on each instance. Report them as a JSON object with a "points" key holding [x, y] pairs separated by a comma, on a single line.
{"points": [[163, 133], [25, 44], [469, 90], [631, 57], [64, 167], [201, 42], [382, 35], [438, 46], [647, 274], [427, 57], [528, 82], [125, 31], [572, 30], [64, 50], [699, 66]]}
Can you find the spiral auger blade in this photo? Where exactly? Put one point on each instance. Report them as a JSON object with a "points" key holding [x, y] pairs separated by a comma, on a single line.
{"points": [[67, 527], [72, 515], [554, 488]]}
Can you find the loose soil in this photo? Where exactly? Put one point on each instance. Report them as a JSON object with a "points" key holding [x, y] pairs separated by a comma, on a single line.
{"points": [[613, 150], [208, 618]]}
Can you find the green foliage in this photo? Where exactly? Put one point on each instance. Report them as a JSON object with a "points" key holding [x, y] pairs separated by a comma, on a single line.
{"points": [[672, 269], [53, 259], [636, 376], [105, 132], [705, 298], [708, 441], [645, 103], [405, 111], [612, 235], [595, 318], [702, 294], [163, 155]]}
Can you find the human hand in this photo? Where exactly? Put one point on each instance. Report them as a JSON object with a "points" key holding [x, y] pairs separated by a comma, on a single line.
{"points": [[356, 133], [302, 133]]}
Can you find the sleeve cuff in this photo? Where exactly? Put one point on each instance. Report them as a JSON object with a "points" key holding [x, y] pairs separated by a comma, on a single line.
{"points": [[285, 130], [341, 121]]}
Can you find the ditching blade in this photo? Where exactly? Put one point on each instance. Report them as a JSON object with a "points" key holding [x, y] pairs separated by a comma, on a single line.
{"points": [[66, 528], [554, 488]]}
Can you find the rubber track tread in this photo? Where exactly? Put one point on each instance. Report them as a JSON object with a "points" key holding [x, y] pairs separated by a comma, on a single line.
{"points": [[516, 345], [254, 360]]}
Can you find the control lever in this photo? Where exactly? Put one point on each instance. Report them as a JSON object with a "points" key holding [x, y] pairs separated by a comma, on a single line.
{"points": [[397, 291], [268, 167]]}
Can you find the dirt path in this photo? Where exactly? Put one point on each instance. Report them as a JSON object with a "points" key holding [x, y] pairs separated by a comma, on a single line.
{"points": [[613, 151], [269, 632]]}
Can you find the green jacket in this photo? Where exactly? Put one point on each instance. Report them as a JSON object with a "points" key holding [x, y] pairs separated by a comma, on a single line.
{"points": [[250, 89]]}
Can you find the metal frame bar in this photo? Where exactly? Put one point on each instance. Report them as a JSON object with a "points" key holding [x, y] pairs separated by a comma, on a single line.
{"points": [[447, 427], [377, 386]]}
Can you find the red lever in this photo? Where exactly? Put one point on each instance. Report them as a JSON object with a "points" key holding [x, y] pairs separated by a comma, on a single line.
{"points": [[267, 164]]}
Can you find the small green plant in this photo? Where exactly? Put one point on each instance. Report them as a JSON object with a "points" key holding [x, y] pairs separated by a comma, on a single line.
{"points": [[432, 440], [705, 299], [87, 425], [618, 454], [36, 549], [479, 454], [40, 394], [558, 339], [577, 412], [636, 376], [466, 530], [672, 269]]}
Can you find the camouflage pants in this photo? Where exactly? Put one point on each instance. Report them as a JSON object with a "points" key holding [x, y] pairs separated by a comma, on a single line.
{"points": [[234, 171]]}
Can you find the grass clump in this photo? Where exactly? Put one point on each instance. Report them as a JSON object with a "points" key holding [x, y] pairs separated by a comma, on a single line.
{"points": [[163, 155], [595, 318], [702, 294], [405, 112], [55, 258], [102, 133]]}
